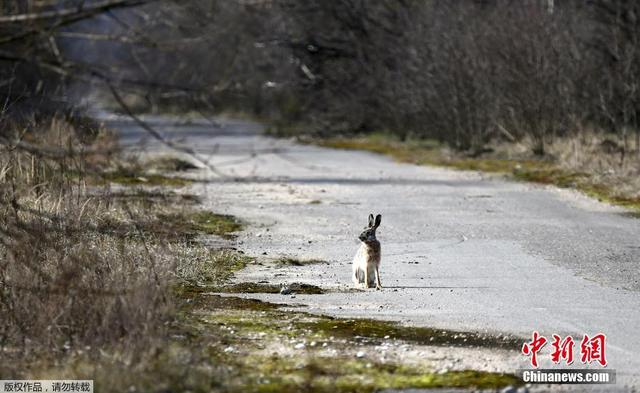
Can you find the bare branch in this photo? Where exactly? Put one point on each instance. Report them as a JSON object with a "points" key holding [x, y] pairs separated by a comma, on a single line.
{"points": [[145, 126], [72, 18], [93, 9]]}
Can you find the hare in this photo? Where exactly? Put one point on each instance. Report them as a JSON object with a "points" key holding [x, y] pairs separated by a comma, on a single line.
{"points": [[366, 263]]}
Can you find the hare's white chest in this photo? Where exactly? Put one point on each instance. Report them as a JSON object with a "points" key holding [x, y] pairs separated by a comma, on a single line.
{"points": [[366, 259], [372, 253], [368, 254]]}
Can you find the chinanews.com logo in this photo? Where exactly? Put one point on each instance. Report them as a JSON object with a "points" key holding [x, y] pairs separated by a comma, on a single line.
{"points": [[590, 351]]}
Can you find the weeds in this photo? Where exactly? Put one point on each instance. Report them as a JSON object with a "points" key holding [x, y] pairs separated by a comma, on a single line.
{"points": [[206, 222], [77, 273], [215, 224], [201, 267], [87, 272]]}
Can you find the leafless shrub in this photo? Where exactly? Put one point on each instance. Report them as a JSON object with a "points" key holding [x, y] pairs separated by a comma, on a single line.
{"points": [[67, 280], [464, 72]]}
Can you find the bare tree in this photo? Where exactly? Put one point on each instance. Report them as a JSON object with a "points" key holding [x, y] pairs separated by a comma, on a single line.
{"points": [[618, 43]]}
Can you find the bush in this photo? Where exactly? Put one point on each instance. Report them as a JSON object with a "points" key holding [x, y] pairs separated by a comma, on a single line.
{"points": [[75, 271]]}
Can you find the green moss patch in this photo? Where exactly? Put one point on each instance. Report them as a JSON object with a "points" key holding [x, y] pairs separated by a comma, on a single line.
{"points": [[233, 333], [136, 179], [348, 375], [289, 261], [220, 343], [371, 330], [215, 224], [202, 297], [205, 269], [172, 227], [150, 199], [204, 222], [169, 164], [252, 287]]}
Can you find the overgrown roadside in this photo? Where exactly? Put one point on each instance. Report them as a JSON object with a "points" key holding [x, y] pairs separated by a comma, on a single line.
{"points": [[105, 256], [592, 163], [92, 245]]}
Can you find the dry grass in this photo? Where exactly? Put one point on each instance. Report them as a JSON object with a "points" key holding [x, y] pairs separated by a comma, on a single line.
{"points": [[92, 276], [196, 222], [85, 271], [69, 280]]}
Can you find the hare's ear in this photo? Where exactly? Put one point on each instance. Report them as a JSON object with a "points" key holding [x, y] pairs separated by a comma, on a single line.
{"points": [[378, 219], [370, 220]]}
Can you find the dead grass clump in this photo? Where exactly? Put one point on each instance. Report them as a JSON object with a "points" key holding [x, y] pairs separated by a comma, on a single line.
{"points": [[197, 222], [605, 159], [65, 288], [51, 156], [170, 164], [199, 266], [68, 280]]}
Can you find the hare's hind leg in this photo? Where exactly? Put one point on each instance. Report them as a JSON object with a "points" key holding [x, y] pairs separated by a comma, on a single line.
{"points": [[357, 277], [378, 285]]}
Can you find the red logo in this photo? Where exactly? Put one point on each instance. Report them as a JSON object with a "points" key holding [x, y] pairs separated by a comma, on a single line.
{"points": [[534, 347], [562, 349], [591, 349]]}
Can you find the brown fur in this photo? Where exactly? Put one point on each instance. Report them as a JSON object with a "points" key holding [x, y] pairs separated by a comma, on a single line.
{"points": [[366, 263]]}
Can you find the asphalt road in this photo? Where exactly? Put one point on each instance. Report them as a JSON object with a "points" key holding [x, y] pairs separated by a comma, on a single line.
{"points": [[460, 250]]}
